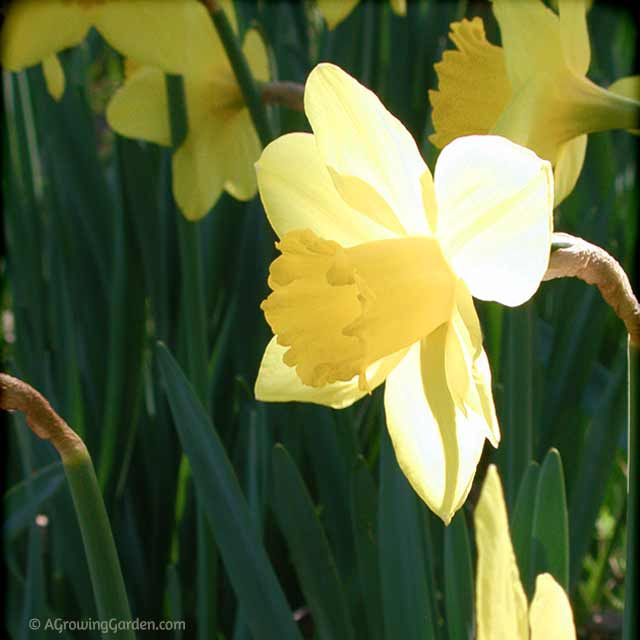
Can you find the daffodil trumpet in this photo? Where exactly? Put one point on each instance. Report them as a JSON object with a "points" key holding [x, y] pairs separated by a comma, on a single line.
{"points": [[379, 260], [502, 611], [221, 143], [532, 90]]}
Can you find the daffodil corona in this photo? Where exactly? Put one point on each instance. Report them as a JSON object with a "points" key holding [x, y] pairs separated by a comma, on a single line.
{"points": [[335, 11], [502, 611], [379, 262], [221, 145], [532, 90], [152, 32]]}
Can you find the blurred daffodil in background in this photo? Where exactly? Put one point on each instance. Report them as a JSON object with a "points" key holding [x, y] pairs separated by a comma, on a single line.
{"points": [[157, 33], [221, 144], [532, 90], [335, 11], [379, 262], [502, 611]]}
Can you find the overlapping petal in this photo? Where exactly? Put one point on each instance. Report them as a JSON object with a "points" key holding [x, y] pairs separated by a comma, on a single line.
{"points": [[568, 167], [139, 108], [278, 382], [53, 76], [495, 203], [34, 30], [550, 615], [501, 604], [575, 35], [335, 11], [300, 194], [367, 149], [437, 446]]}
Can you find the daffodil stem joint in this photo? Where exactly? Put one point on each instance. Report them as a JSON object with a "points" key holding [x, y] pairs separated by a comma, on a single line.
{"points": [[286, 94], [102, 556], [574, 257], [242, 71]]}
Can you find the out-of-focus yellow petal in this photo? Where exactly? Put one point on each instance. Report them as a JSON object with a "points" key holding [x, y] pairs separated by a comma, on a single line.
{"points": [[550, 616], [628, 87], [531, 39], [495, 216], [437, 447], [241, 151], [335, 11], [399, 7], [34, 30], [358, 138], [174, 35], [277, 382], [473, 85], [256, 53], [199, 168], [53, 76], [467, 368], [298, 193], [501, 604], [575, 35], [568, 167], [139, 107]]}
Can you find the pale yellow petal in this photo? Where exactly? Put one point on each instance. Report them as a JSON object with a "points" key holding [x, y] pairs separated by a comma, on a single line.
{"points": [[199, 168], [628, 87], [399, 7], [550, 616], [568, 167], [278, 382], [575, 35], [501, 604], [255, 51], [437, 447], [139, 108], [335, 11], [531, 39], [298, 193], [495, 216], [177, 36], [34, 30], [241, 149], [361, 141], [53, 76], [473, 86], [467, 367]]}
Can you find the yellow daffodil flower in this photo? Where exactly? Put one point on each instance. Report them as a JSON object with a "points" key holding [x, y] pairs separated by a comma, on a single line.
{"points": [[164, 34], [379, 262], [221, 145], [532, 90], [502, 610], [335, 11]]}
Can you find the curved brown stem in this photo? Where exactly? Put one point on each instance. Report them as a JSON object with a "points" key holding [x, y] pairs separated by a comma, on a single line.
{"points": [[286, 94], [16, 395]]}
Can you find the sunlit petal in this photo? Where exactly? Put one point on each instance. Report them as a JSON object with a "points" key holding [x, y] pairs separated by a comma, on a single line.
{"points": [[568, 167], [501, 604], [531, 39], [278, 382], [575, 35], [359, 138], [53, 76], [550, 616], [473, 87], [34, 30], [437, 447], [139, 108], [255, 51], [241, 149], [298, 193], [495, 203]]}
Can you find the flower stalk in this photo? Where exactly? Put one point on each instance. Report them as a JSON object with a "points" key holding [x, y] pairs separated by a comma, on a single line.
{"points": [[574, 257], [102, 557], [243, 73]]}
